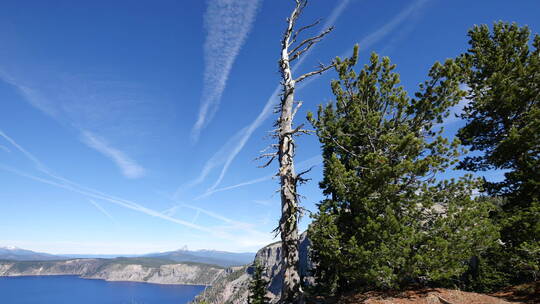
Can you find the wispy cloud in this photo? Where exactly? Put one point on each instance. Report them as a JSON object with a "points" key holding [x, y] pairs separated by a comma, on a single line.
{"points": [[64, 183], [215, 161], [228, 23], [129, 167], [303, 165], [226, 155], [120, 202], [196, 217], [102, 210], [90, 106], [170, 211], [390, 26], [233, 224], [32, 96], [242, 184], [39, 165]]}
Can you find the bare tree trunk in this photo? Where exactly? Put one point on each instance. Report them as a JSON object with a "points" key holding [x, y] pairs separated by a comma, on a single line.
{"points": [[291, 291], [288, 225]]}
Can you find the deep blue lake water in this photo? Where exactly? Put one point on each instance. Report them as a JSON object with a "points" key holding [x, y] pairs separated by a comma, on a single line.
{"points": [[74, 290]]}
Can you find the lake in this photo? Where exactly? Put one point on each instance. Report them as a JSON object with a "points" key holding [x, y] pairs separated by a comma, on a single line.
{"points": [[72, 289]]}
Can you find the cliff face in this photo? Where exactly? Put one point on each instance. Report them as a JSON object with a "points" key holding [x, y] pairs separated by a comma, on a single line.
{"points": [[109, 270], [233, 288], [229, 289]]}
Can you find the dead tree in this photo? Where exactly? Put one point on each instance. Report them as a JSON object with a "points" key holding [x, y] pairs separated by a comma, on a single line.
{"points": [[292, 48]]}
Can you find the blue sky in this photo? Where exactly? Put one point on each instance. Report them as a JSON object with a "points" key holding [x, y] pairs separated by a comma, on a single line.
{"points": [[132, 126]]}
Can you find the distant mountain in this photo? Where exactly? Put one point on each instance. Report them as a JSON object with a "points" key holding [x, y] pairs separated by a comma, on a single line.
{"points": [[220, 258], [17, 254], [99, 256], [214, 257]]}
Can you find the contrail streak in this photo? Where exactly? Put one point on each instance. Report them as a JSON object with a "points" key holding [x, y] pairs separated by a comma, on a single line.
{"points": [[228, 23]]}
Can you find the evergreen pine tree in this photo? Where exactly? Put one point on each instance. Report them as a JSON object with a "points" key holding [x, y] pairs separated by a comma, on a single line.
{"points": [[257, 286], [388, 221], [503, 123]]}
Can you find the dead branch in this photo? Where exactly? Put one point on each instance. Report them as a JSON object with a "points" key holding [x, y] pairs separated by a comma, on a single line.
{"points": [[300, 30], [299, 177], [322, 69], [291, 21], [271, 146], [265, 155], [268, 162], [305, 45], [295, 130]]}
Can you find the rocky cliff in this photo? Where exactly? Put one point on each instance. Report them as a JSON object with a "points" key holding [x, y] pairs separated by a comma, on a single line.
{"points": [[136, 270], [233, 288]]}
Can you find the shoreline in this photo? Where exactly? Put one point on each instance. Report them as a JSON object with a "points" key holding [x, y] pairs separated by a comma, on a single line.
{"points": [[124, 271], [98, 279]]}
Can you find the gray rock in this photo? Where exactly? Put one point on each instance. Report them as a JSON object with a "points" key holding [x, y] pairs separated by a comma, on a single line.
{"points": [[233, 288]]}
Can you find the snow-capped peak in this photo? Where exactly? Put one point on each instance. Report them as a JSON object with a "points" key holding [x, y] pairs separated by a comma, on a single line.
{"points": [[9, 247]]}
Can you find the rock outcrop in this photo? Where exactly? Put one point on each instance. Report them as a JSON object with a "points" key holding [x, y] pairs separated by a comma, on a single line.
{"points": [[122, 270], [233, 288]]}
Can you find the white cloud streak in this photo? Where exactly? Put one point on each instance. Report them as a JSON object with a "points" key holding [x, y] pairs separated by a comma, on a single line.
{"points": [[31, 96], [232, 223], [242, 184], [303, 165], [40, 166], [128, 167], [215, 161], [390, 26], [228, 23], [121, 202], [170, 211], [63, 183], [196, 216], [102, 210], [65, 101]]}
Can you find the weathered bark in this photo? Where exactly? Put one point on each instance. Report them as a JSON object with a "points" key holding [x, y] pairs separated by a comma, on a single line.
{"points": [[291, 291], [288, 225]]}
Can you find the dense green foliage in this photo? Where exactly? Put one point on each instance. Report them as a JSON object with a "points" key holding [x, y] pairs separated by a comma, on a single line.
{"points": [[257, 286], [503, 126], [388, 222]]}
